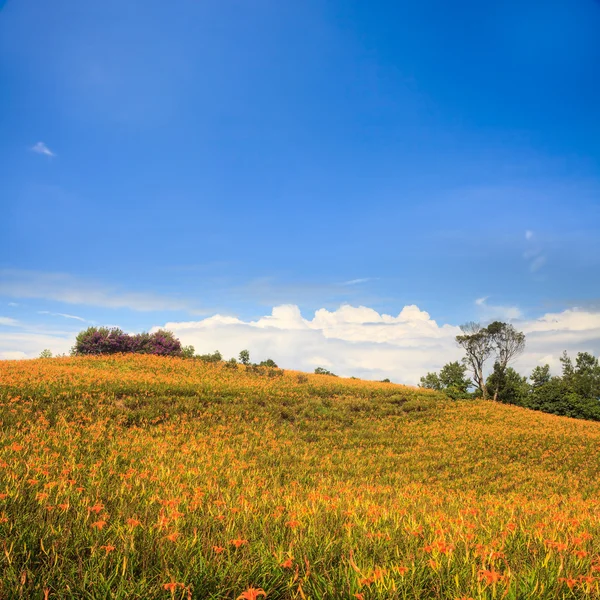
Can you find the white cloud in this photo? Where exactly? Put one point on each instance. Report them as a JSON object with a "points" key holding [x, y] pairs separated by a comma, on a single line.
{"points": [[357, 281], [362, 342], [9, 322], [529, 234], [62, 287], [64, 315], [352, 340], [490, 312], [41, 148]]}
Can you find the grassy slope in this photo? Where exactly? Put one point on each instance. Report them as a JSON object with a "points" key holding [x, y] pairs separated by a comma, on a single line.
{"points": [[120, 476]]}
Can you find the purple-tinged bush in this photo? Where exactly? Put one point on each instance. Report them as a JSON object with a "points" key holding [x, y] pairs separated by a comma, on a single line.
{"points": [[105, 340]]}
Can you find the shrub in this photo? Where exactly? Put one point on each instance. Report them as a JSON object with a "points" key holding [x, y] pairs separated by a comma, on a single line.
{"points": [[188, 352], [102, 340], [112, 340], [322, 371], [268, 363], [216, 356]]}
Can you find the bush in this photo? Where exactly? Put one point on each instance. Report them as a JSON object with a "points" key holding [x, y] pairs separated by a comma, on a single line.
{"points": [[322, 371], [112, 340], [216, 356]]}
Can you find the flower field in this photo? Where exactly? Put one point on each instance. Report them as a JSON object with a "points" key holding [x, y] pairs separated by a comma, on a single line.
{"points": [[150, 477]]}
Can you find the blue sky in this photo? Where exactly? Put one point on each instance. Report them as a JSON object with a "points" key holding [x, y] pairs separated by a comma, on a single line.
{"points": [[166, 162]]}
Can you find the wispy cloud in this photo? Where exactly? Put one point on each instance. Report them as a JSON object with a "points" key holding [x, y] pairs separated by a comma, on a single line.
{"points": [[41, 148], [533, 255], [62, 287], [357, 281], [66, 316], [488, 312], [9, 322]]}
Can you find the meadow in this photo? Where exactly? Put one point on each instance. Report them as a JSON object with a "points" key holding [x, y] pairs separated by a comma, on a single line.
{"points": [[161, 478]]}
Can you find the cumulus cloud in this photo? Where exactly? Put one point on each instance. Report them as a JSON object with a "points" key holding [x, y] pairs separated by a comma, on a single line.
{"points": [[41, 148], [62, 287], [352, 340]]}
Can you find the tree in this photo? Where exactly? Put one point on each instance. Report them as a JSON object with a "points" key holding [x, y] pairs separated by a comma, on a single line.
{"points": [[431, 381], [244, 357], [188, 352], [46, 353], [507, 344], [323, 371], [452, 380], [540, 376], [478, 346], [268, 363], [509, 387]]}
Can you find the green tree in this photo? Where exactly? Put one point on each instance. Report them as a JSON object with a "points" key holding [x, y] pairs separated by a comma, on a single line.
{"points": [[323, 371], [509, 387], [46, 353], [268, 363], [431, 381], [244, 357], [452, 380], [508, 343], [188, 352], [478, 347]]}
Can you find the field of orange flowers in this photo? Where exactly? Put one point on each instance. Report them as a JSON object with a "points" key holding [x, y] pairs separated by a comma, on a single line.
{"points": [[147, 477]]}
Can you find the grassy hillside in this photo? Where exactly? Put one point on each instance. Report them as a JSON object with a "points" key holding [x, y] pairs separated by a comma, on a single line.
{"points": [[144, 477]]}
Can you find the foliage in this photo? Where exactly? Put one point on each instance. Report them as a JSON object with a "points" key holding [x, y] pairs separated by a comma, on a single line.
{"points": [[268, 363], [188, 352], [452, 380], [216, 356], [575, 394], [498, 339], [46, 353], [244, 357], [323, 371], [508, 385], [112, 340], [139, 476]]}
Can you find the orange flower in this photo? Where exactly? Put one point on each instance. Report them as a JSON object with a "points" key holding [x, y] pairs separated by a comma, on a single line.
{"points": [[133, 522], [292, 524], [402, 570], [571, 583], [359, 596], [288, 563], [172, 537], [490, 576], [239, 542], [218, 549], [98, 524], [252, 594], [171, 587], [108, 548], [96, 508]]}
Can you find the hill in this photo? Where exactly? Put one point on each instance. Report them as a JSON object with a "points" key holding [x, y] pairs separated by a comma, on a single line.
{"points": [[150, 477]]}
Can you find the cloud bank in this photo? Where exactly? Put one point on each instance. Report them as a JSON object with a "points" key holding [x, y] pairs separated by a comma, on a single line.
{"points": [[361, 342], [351, 341]]}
